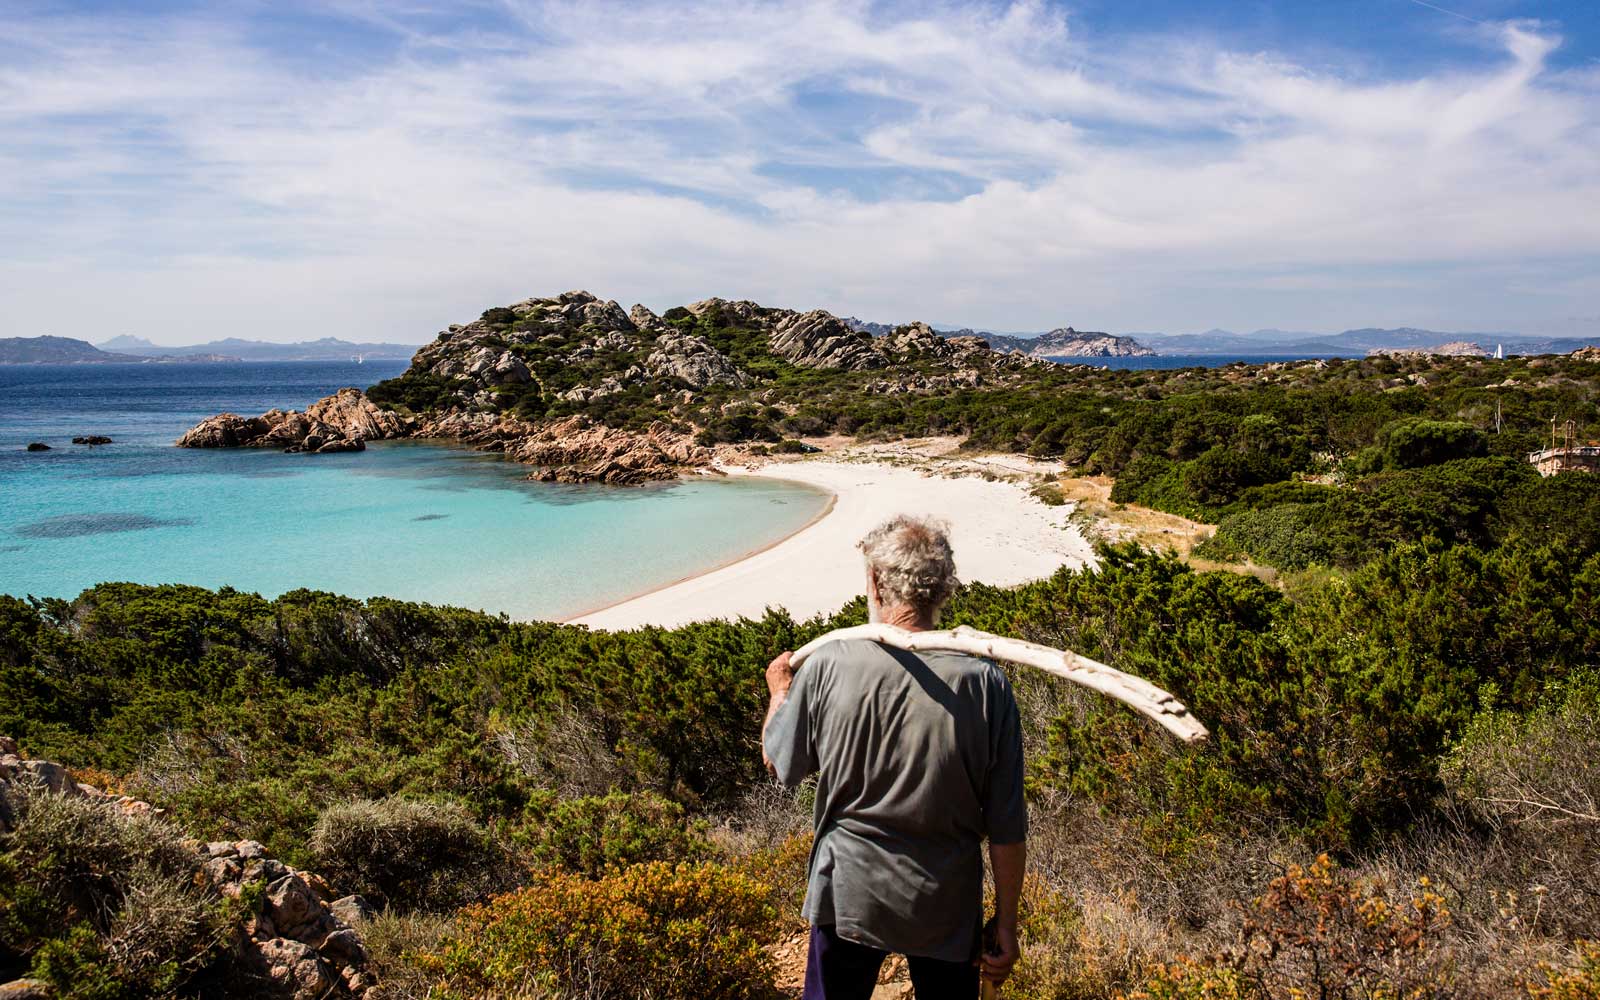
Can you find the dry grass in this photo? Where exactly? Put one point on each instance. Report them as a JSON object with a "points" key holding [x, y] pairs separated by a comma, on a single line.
{"points": [[395, 943]]}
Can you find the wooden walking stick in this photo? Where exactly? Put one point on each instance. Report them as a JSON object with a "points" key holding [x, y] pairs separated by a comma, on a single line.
{"points": [[1137, 693]]}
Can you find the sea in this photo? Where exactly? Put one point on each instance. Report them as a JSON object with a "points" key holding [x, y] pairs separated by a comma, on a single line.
{"points": [[1166, 361], [419, 522]]}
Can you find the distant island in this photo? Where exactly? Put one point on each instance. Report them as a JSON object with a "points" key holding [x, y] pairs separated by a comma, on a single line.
{"points": [[1355, 343], [1066, 342], [67, 351], [325, 349], [1062, 342]]}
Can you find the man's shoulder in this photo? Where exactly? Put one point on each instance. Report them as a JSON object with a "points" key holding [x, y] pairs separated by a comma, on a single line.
{"points": [[853, 650]]}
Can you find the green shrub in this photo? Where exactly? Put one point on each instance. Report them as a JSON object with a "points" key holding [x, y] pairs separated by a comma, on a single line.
{"points": [[1286, 536], [408, 854], [592, 835], [670, 932], [103, 904], [1409, 444]]}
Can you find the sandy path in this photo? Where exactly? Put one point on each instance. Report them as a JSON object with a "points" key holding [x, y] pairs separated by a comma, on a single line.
{"points": [[1002, 535]]}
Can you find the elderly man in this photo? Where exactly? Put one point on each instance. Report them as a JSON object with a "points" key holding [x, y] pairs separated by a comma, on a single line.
{"points": [[918, 760]]}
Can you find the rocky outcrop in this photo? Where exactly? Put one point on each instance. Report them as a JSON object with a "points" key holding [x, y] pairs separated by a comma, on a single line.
{"points": [[576, 450], [38, 446], [92, 439], [818, 339], [1586, 354], [299, 942], [694, 361], [344, 421]]}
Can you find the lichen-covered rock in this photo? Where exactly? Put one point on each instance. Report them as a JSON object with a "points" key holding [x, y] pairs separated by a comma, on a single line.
{"points": [[352, 909], [26, 989], [291, 968]]}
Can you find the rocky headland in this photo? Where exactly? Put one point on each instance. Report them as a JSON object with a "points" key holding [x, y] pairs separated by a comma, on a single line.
{"points": [[583, 390], [1065, 342]]}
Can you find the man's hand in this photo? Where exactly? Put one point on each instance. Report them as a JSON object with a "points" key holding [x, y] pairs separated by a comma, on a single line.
{"points": [[1008, 862], [995, 966], [780, 675]]}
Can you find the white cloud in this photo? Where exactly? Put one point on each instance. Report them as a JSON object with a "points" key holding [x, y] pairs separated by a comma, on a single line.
{"points": [[192, 183]]}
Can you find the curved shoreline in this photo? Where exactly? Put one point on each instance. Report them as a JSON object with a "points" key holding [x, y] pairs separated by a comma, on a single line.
{"points": [[1001, 533], [827, 508]]}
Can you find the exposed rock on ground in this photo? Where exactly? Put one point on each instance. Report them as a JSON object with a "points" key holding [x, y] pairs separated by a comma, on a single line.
{"points": [[299, 942], [344, 421]]}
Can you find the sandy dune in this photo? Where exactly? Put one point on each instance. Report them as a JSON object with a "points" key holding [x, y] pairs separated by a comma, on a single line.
{"points": [[1002, 535]]}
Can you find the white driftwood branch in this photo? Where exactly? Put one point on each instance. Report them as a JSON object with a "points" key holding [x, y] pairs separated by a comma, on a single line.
{"points": [[1135, 692]]}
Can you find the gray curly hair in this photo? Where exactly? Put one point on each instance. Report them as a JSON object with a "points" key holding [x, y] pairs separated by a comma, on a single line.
{"points": [[911, 560]]}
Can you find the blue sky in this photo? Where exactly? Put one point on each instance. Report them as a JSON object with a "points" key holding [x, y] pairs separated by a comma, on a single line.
{"points": [[282, 170]]}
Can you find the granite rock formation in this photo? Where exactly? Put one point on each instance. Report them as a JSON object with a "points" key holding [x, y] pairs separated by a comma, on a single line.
{"points": [[817, 339], [344, 421]]}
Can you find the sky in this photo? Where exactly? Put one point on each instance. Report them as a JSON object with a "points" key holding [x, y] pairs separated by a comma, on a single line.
{"points": [[284, 170]]}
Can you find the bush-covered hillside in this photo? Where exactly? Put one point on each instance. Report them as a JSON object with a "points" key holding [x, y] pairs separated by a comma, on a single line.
{"points": [[1429, 714]]}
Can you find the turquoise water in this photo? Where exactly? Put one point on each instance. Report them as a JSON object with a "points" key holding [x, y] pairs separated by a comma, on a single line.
{"points": [[412, 521]]}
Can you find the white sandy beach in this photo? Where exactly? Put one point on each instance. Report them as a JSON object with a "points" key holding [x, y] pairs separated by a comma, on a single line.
{"points": [[1002, 535]]}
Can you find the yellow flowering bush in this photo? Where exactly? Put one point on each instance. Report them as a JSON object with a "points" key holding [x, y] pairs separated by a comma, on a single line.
{"points": [[668, 932], [1190, 980], [1581, 982]]}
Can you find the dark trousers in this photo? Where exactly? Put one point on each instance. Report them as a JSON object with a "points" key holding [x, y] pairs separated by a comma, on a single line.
{"points": [[837, 969]]}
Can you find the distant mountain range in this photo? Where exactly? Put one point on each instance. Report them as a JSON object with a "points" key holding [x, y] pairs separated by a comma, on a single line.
{"points": [[1067, 342], [66, 351], [326, 349], [1353, 343]]}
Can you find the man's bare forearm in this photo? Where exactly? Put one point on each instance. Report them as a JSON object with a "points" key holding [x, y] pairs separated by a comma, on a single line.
{"points": [[1008, 861], [780, 676]]}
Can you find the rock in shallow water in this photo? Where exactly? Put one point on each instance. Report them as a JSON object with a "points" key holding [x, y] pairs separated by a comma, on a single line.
{"points": [[344, 421], [38, 446]]}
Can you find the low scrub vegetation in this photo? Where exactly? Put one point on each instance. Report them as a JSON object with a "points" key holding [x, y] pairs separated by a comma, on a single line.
{"points": [[1431, 714]]}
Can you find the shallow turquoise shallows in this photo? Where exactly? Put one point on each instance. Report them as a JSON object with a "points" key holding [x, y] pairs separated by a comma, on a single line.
{"points": [[412, 521]]}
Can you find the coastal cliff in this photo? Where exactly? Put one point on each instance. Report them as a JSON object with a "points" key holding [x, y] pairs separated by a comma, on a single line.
{"points": [[583, 390]]}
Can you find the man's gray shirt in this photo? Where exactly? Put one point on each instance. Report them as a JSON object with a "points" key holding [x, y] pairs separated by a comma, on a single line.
{"points": [[918, 758]]}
